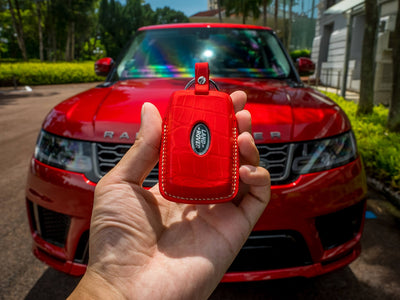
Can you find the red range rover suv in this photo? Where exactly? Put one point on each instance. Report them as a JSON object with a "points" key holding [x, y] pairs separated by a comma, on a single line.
{"points": [[314, 220]]}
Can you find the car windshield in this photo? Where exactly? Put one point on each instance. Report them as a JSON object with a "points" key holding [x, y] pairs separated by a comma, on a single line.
{"points": [[231, 52]]}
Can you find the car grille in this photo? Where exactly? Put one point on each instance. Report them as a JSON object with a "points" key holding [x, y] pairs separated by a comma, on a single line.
{"points": [[276, 158], [271, 250], [108, 155], [49, 225]]}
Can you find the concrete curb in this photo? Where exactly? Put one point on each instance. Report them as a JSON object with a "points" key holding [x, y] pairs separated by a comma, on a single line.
{"points": [[393, 196]]}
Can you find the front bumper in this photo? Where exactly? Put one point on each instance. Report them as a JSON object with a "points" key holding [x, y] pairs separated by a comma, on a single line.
{"points": [[311, 226]]}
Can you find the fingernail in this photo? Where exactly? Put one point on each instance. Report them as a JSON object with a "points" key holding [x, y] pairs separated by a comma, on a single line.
{"points": [[142, 111], [251, 168]]}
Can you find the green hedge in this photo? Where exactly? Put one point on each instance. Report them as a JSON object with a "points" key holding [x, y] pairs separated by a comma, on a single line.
{"points": [[300, 53], [35, 73], [379, 148]]}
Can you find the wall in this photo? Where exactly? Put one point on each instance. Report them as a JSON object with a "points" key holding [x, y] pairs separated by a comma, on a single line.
{"points": [[329, 47]]}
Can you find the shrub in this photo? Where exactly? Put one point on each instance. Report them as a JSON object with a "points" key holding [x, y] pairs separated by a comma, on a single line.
{"points": [[379, 148], [35, 73], [300, 53]]}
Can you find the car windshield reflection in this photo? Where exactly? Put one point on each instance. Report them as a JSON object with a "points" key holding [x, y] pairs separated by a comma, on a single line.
{"points": [[230, 52]]}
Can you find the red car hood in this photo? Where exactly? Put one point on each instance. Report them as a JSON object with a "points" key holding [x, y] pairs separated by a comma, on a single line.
{"points": [[280, 113]]}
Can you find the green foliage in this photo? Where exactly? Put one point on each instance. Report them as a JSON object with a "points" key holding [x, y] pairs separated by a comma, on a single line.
{"points": [[47, 73], [379, 148], [246, 8], [118, 23], [56, 17], [92, 50], [79, 29], [300, 53], [7, 42], [167, 15]]}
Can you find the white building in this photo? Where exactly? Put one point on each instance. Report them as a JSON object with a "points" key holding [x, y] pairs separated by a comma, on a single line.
{"points": [[337, 46], [212, 4]]}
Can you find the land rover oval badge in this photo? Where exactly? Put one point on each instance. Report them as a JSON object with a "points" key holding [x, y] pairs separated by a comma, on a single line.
{"points": [[200, 138]]}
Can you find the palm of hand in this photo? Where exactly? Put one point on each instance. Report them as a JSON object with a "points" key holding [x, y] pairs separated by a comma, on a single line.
{"points": [[157, 235]]}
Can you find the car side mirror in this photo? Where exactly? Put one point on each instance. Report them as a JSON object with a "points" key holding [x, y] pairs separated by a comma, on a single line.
{"points": [[305, 66], [103, 66]]}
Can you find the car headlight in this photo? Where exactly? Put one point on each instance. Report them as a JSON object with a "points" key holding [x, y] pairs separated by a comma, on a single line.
{"points": [[63, 153], [324, 154]]}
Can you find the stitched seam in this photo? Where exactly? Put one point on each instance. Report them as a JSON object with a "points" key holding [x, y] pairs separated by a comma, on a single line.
{"points": [[234, 168]]}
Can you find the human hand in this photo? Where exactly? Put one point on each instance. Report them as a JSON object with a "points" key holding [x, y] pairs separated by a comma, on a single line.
{"points": [[144, 246]]}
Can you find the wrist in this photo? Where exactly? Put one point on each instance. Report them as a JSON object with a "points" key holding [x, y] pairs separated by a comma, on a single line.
{"points": [[93, 286]]}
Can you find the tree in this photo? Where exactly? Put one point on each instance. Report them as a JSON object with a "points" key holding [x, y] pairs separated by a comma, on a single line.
{"points": [[219, 11], [70, 43], [289, 27], [394, 109], [285, 23], [244, 8], [265, 4], [167, 15], [366, 102], [24, 17], [133, 15], [78, 17], [111, 29], [18, 26], [118, 23], [40, 28]]}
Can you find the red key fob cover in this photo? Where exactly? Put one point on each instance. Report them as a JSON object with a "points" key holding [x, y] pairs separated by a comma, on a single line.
{"points": [[199, 157]]}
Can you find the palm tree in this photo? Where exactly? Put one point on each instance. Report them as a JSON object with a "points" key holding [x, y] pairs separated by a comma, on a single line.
{"points": [[243, 7]]}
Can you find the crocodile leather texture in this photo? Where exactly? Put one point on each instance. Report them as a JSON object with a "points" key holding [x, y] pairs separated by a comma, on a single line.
{"points": [[199, 159]]}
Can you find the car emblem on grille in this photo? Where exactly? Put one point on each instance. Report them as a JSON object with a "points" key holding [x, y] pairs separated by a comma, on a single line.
{"points": [[200, 139]]}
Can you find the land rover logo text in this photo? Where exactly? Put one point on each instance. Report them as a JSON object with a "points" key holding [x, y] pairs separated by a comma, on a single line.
{"points": [[110, 134], [200, 138]]}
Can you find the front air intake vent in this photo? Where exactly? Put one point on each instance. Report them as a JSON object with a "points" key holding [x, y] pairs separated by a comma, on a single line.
{"points": [[51, 226]]}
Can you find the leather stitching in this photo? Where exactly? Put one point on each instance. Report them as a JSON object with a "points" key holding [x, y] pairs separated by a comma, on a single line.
{"points": [[234, 169]]}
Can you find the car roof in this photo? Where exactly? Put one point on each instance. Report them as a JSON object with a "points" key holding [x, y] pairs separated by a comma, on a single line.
{"points": [[203, 25]]}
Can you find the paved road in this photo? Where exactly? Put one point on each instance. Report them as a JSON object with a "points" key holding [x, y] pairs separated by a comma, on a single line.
{"points": [[375, 275]]}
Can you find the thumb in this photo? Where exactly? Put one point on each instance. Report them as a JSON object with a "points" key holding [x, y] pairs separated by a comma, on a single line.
{"points": [[143, 155]]}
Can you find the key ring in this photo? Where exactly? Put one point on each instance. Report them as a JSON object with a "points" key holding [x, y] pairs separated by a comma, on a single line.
{"points": [[191, 82]]}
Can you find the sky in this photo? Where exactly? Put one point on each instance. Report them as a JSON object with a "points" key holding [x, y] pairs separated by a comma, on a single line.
{"points": [[188, 7]]}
